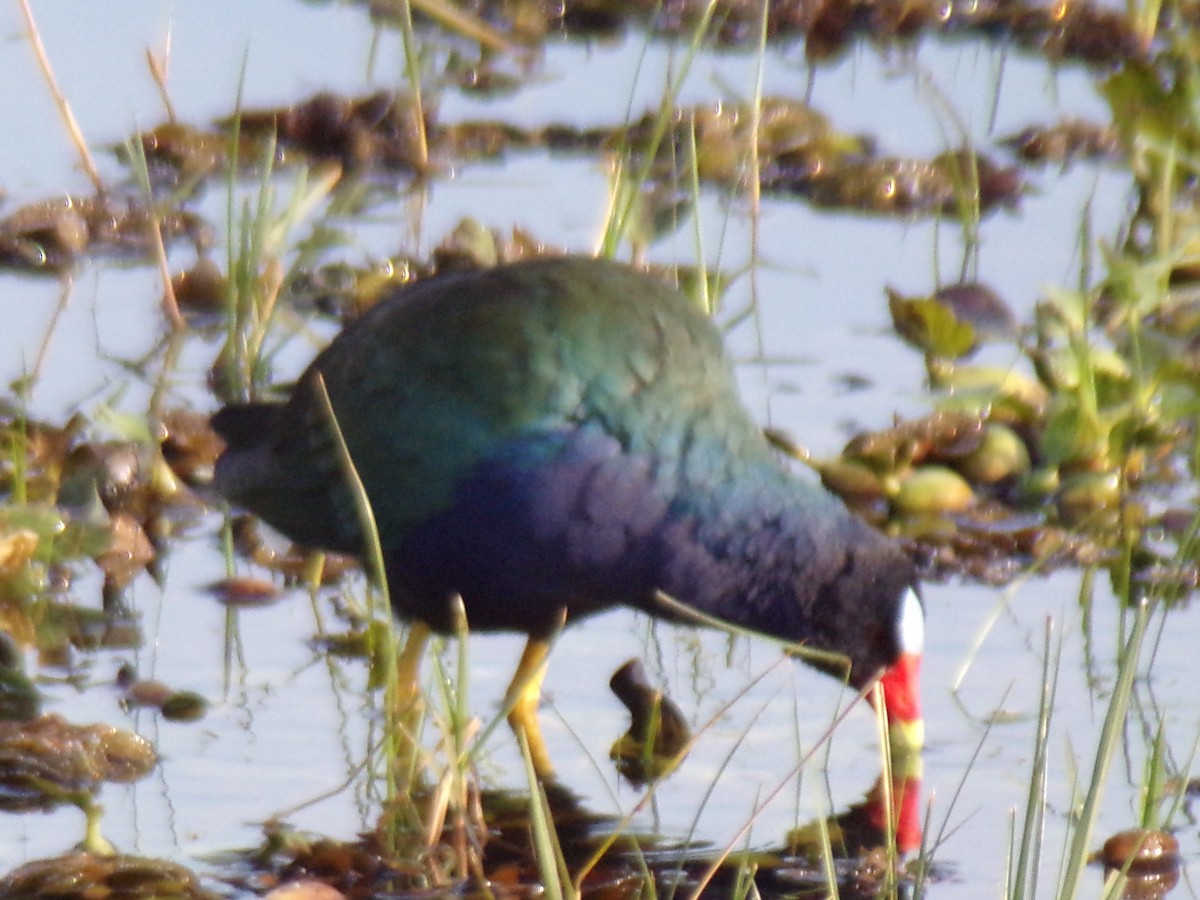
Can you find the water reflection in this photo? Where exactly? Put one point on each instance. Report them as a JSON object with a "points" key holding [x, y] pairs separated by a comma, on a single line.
{"points": [[494, 846]]}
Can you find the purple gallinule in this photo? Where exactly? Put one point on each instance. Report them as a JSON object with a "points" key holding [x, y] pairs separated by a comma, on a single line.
{"points": [[552, 437]]}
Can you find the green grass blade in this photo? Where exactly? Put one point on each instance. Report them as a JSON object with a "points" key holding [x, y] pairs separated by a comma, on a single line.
{"points": [[1079, 852]]}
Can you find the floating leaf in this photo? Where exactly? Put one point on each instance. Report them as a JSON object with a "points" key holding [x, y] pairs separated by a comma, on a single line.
{"points": [[244, 591], [1073, 435], [931, 326], [981, 307], [933, 490], [184, 706], [987, 386], [1144, 106], [1089, 498], [852, 480], [1001, 454]]}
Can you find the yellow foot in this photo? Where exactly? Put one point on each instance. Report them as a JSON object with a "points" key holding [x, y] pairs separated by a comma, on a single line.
{"points": [[524, 693]]}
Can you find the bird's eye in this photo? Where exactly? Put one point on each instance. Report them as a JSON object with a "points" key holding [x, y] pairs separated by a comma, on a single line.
{"points": [[910, 623]]}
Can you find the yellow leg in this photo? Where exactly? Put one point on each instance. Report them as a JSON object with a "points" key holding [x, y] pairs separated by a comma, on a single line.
{"points": [[408, 666], [522, 699]]}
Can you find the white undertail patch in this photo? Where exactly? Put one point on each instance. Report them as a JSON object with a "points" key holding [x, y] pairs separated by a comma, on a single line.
{"points": [[910, 623]]}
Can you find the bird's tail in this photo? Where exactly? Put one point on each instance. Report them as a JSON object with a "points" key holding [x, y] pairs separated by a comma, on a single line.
{"points": [[288, 480], [245, 425]]}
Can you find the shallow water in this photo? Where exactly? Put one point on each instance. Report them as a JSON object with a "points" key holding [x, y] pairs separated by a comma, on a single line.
{"points": [[289, 725]]}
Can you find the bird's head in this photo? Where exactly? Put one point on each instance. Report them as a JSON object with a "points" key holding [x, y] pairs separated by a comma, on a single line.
{"points": [[868, 626]]}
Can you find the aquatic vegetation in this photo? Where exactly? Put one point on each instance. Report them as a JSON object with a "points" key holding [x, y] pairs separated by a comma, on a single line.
{"points": [[53, 235], [44, 760], [80, 876]]}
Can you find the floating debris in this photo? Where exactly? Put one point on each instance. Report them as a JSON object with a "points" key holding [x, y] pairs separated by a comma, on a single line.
{"points": [[1065, 142], [129, 552], [141, 691], [175, 705], [951, 184], [296, 564], [43, 759], [184, 706], [619, 861], [799, 152], [112, 502], [382, 130], [53, 235], [92, 876], [189, 445], [938, 436], [960, 489], [244, 591], [1083, 31], [56, 628], [202, 290], [191, 152]]}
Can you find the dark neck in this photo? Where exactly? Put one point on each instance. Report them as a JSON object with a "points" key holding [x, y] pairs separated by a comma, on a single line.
{"points": [[743, 566], [795, 565]]}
